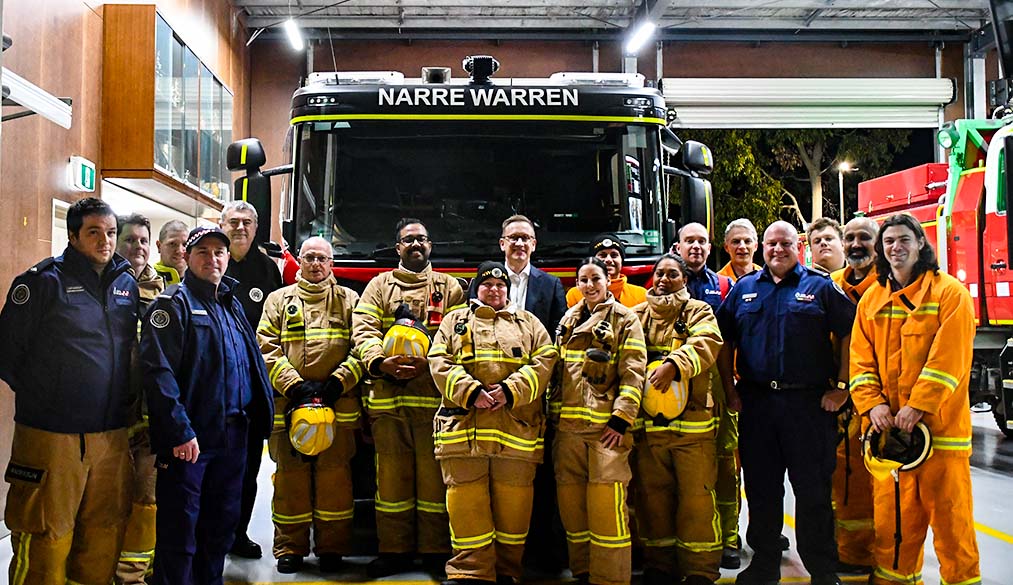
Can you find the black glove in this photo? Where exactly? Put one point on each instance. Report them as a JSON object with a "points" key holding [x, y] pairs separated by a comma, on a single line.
{"points": [[333, 389], [304, 392]]}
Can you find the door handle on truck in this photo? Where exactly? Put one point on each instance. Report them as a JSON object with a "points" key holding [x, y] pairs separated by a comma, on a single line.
{"points": [[1000, 265]]}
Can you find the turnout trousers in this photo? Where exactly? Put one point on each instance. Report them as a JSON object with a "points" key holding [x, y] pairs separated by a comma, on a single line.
{"points": [[591, 488], [852, 495], [489, 501], [728, 487], [676, 504], [139, 542], [938, 494], [787, 430], [198, 510], [312, 493], [411, 509], [68, 505]]}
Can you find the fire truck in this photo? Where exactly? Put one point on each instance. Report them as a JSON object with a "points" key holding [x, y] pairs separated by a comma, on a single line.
{"points": [[962, 204], [578, 153]]}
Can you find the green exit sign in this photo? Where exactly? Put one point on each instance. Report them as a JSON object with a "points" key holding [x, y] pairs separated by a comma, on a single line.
{"points": [[81, 174]]}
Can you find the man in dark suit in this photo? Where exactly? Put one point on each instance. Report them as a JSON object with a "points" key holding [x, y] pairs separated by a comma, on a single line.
{"points": [[542, 294], [530, 288]]}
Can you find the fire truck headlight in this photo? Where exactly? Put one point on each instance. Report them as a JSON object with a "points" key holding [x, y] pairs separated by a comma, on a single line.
{"points": [[947, 136]]}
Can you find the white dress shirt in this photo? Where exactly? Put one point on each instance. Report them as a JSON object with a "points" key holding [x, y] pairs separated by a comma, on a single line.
{"points": [[519, 286]]}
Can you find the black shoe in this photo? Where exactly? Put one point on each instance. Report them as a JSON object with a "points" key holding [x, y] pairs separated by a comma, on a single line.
{"points": [[289, 564], [435, 564], [505, 580], [331, 563], [246, 548], [730, 559], [697, 580], [388, 564], [754, 577], [829, 579], [850, 569], [785, 543], [654, 576]]}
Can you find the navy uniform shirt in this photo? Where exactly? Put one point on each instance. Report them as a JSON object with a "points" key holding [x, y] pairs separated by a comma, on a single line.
{"points": [[258, 277], [705, 286], [782, 331]]}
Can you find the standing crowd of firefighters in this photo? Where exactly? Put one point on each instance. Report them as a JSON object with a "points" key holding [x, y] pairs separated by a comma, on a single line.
{"points": [[144, 395]]}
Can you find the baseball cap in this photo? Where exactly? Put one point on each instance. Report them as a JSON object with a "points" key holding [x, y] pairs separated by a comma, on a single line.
{"points": [[199, 233]]}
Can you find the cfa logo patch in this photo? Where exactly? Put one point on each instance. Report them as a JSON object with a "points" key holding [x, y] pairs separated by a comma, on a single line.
{"points": [[256, 295], [21, 294], [804, 297], [159, 318], [121, 293]]}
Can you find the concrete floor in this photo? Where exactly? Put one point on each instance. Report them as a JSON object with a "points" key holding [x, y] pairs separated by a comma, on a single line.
{"points": [[992, 477]]}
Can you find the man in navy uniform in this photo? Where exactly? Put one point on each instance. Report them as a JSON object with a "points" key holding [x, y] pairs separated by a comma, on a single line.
{"points": [[69, 327], [778, 322], [207, 388]]}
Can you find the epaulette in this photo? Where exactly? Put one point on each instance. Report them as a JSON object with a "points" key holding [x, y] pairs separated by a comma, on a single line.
{"points": [[42, 265], [817, 271], [169, 292]]}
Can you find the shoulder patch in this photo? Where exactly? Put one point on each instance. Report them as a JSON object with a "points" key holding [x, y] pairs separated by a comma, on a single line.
{"points": [[159, 318], [256, 295], [21, 294]]}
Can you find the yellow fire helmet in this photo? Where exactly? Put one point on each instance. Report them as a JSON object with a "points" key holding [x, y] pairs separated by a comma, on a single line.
{"points": [[407, 336], [311, 427], [669, 403], [896, 450]]}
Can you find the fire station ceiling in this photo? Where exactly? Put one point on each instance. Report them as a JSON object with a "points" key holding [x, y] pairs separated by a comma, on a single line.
{"points": [[756, 20]]}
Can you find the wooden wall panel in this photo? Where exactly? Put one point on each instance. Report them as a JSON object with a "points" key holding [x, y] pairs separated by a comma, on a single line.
{"points": [[58, 45], [128, 106]]}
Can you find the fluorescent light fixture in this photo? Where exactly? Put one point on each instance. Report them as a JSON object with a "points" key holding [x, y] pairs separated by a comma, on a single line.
{"points": [[640, 37], [36, 99], [294, 35]]}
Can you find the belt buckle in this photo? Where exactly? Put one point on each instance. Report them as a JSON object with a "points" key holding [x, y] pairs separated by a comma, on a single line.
{"points": [[774, 385]]}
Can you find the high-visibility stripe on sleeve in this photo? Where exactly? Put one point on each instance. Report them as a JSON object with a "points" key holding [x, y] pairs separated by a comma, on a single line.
{"points": [[456, 374], [940, 377], [266, 327], [544, 350], [368, 309], [355, 367], [635, 345], [951, 443], [866, 379], [531, 379], [703, 328], [694, 358], [279, 367], [631, 392], [438, 348]]}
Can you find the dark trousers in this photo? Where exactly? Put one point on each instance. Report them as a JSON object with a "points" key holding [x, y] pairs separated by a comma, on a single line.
{"points": [[254, 454], [780, 431], [198, 507]]}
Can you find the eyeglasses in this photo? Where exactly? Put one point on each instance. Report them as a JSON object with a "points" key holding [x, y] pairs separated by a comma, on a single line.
{"points": [[408, 240], [519, 239], [314, 259]]}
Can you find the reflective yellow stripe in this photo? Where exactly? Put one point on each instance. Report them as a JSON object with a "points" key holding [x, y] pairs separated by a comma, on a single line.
{"points": [[394, 507], [265, 326], [704, 328], [471, 542], [313, 333], [683, 426], [355, 367], [369, 343], [634, 345], [577, 537], [631, 392], [511, 538], [455, 307], [927, 309], [329, 516], [584, 413], [867, 378], [368, 309], [346, 417], [543, 350], [951, 443], [279, 420], [137, 557], [531, 379], [457, 373], [619, 499], [971, 581], [432, 507], [694, 357], [491, 435], [892, 313], [610, 541], [21, 566], [279, 367], [939, 376], [294, 519], [401, 402], [914, 579], [438, 348], [856, 525]]}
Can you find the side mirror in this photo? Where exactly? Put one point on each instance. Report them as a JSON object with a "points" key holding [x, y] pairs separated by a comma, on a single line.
{"points": [[697, 157], [698, 202], [254, 187], [670, 141]]}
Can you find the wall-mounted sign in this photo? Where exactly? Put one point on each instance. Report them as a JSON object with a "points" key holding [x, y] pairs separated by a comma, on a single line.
{"points": [[81, 174]]}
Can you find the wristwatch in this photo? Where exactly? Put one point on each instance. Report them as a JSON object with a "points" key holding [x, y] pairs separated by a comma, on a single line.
{"points": [[842, 385]]}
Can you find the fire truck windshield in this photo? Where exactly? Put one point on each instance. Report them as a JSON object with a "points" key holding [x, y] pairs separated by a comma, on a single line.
{"points": [[462, 178]]}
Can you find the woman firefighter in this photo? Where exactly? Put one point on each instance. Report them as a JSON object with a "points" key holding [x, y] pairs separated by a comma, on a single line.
{"points": [[492, 363], [601, 376], [675, 459]]}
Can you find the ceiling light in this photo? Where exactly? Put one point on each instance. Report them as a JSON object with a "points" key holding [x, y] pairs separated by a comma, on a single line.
{"points": [[640, 37], [294, 35]]}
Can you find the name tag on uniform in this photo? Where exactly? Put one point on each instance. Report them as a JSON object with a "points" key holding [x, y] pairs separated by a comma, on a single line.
{"points": [[711, 291], [74, 289], [748, 297], [199, 312], [804, 297]]}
